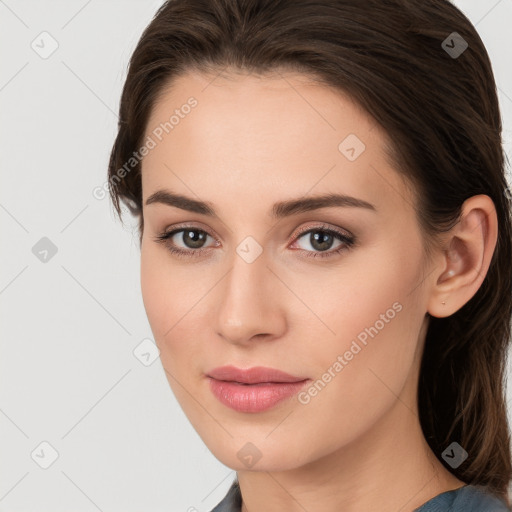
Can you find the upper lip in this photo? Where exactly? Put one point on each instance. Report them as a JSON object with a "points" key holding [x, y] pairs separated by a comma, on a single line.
{"points": [[253, 375]]}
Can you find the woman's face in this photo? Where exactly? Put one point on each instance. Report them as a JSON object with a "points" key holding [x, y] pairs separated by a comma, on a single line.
{"points": [[261, 288]]}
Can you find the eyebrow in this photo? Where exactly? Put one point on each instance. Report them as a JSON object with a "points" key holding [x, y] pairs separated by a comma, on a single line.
{"points": [[279, 210]]}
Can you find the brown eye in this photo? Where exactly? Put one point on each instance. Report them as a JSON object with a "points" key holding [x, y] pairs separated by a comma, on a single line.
{"points": [[192, 238], [320, 239], [187, 241]]}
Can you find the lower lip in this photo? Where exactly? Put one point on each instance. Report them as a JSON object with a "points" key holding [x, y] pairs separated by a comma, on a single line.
{"points": [[253, 397]]}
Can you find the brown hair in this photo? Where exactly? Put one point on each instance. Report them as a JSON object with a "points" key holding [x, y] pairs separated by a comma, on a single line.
{"points": [[441, 113]]}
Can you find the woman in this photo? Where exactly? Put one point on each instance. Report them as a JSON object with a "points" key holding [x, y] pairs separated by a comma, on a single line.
{"points": [[325, 239]]}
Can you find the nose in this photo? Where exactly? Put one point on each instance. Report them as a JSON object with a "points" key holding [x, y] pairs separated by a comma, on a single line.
{"points": [[250, 302]]}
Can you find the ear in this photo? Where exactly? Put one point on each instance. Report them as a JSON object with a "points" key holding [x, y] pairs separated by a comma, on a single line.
{"points": [[466, 257]]}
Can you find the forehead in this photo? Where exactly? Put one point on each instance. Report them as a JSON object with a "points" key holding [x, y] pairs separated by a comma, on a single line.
{"points": [[250, 101], [264, 134]]}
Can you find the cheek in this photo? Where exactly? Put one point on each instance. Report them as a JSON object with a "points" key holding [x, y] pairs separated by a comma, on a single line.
{"points": [[171, 302], [375, 312], [164, 295], [351, 297], [154, 295], [164, 287]]}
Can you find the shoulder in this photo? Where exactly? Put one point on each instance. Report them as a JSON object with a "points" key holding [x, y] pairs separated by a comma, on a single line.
{"points": [[478, 499], [232, 501], [469, 498]]}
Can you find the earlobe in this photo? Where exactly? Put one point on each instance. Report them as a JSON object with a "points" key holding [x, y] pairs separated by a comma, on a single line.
{"points": [[465, 262]]}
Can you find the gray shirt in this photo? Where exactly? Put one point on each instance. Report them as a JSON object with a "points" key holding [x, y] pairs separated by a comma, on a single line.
{"points": [[469, 498]]}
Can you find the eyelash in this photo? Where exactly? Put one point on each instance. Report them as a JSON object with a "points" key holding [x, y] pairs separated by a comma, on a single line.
{"points": [[348, 242]]}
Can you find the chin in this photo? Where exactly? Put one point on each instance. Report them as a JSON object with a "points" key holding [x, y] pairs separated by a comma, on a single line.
{"points": [[243, 454]]}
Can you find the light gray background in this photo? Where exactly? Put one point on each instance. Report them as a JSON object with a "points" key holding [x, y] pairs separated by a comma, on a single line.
{"points": [[69, 376]]}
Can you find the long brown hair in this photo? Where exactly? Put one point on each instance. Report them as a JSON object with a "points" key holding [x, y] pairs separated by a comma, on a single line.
{"points": [[434, 94]]}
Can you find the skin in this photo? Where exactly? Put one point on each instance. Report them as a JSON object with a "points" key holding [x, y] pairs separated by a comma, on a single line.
{"points": [[250, 142]]}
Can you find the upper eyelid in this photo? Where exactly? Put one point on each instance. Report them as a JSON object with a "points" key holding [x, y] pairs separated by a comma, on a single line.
{"points": [[324, 227]]}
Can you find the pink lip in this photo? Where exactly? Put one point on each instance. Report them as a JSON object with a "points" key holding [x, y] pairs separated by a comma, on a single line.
{"points": [[254, 375], [253, 390]]}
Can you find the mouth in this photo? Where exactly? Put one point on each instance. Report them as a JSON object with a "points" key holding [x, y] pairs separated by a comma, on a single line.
{"points": [[254, 390]]}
